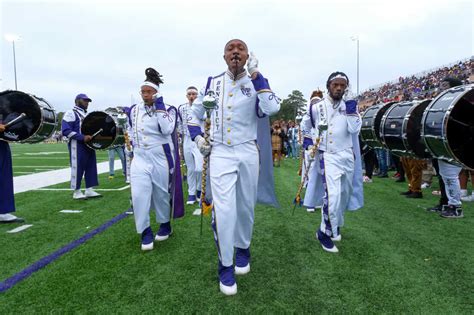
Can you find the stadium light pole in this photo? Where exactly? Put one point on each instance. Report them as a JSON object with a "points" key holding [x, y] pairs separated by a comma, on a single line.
{"points": [[356, 38], [13, 38]]}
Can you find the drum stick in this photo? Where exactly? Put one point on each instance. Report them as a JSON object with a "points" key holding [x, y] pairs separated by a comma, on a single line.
{"points": [[16, 120], [459, 122], [97, 133]]}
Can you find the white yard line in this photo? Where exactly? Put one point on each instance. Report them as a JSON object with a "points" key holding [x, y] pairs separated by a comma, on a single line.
{"points": [[70, 211], [39, 166], [44, 179], [95, 189], [20, 228]]}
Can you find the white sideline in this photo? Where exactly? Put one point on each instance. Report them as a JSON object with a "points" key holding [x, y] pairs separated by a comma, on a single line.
{"points": [[44, 179]]}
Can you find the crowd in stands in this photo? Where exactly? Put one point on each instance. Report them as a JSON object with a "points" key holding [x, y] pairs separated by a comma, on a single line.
{"points": [[417, 86]]}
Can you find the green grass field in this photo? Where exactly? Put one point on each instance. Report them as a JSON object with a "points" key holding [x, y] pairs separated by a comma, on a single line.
{"points": [[395, 257], [34, 158]]}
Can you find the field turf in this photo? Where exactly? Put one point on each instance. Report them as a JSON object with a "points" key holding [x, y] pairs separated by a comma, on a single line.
{"points": [[395, 257]]}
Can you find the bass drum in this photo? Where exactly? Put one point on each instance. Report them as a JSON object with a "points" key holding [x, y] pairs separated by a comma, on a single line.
{"points": [[111, 134], [370, 130], [400, 129], [39, 123], [448, 126]]}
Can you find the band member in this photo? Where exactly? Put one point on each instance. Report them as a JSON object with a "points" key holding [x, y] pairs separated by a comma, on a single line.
{"points": [[234, 160], [82, 158], [7, 199], [277, 142], [119, 150], [309, 198], [155, 176], [192, 156], [338, 159], [450, 172]]}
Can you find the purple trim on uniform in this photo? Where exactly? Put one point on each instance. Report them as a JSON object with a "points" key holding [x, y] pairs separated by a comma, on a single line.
{"points": [[208, 84], [175, 187], [351, 107], [159, 104], [257, 109], [307, 142], [68, 127], [266, 183], [28, 271], [325, 209], [86, 165], [260, 83], [7, 199], [194, 131], [311, 115], [129, 114]]}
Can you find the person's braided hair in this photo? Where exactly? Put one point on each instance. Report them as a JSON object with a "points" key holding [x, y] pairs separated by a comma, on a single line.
{"points": [[153, 76]]}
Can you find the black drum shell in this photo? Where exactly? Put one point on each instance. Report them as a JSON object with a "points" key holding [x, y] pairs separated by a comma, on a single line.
{"points": [[400, 129], [448, 126], [370, 130], [40, 121]]}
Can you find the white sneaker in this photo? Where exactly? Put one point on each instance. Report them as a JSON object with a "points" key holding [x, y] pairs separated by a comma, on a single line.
{"points": [[309, 210], [232, 290], [197, 211], [367, 179], [468, 198], [10, 218], [90, 193], [147, 246], [242, 270], [337, 238], [78, 195], [425, 185]]}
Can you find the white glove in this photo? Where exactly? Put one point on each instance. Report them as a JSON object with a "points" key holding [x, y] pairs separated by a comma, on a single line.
{"points": [[203, 146], [157, 95], [252, 64]]}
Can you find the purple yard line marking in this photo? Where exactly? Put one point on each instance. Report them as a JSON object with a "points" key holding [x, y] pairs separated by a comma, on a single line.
{"points": [[28, 271]]}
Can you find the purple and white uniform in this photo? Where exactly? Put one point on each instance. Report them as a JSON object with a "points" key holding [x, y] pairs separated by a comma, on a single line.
{"points": [[82, 158]]}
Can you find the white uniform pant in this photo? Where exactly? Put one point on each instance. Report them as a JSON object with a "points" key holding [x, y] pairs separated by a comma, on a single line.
{"points": [[234, 177], [337, 170], [450, 175], [150, 184], [193, 160]]}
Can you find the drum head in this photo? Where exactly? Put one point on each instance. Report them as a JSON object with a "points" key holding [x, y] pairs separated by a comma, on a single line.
{"points": [[12, 105], [92, 124], [460, 130], [412, 130]]}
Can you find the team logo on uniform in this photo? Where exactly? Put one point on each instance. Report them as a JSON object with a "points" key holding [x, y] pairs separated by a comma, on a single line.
{"points": [[246, 91]]}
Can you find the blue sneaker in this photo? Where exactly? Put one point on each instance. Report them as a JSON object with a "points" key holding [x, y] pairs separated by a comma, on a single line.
{"points": [[164, 232], [242, 261], [326, 242], [227, 283], [191, 200], [147, 239]]}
